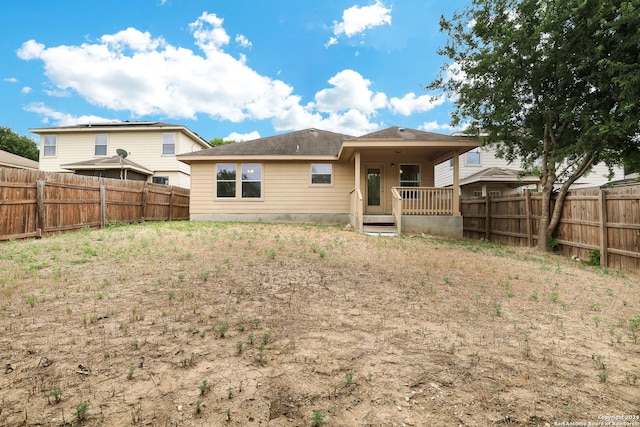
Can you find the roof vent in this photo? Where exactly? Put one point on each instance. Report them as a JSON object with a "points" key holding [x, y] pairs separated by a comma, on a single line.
{"points": [[297, 148], [401, 129]]}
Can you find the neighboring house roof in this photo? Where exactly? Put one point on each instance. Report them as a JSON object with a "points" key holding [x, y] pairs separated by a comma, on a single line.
{"points": [[309, 142], [11, 160], [125, 126], [407, 134], [501, 175], [112, 162]]}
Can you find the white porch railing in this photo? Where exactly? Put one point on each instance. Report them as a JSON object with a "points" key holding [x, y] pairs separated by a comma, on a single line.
{"points": [[396, 208], [424, 201]]}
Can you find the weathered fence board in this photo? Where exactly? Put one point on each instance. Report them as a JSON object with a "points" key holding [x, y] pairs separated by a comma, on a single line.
{"points": [[36, 204], [594, 221]]}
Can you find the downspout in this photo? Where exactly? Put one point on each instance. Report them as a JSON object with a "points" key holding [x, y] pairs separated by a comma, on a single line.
{"points": [[456, 186]]}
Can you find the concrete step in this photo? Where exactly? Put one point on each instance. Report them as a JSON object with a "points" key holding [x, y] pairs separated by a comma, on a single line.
{"points": [[380, 230], [378, 219]]}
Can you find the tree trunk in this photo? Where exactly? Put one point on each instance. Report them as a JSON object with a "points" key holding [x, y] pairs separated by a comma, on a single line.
{"points": [[544, 240]]}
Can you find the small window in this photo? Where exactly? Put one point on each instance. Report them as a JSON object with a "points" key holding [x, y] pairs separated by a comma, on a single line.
{"points": [[168, 144], [494, 193], [162, 180], [226, 180], [473, 157], [451, 162], [476, 193], [321, 173], [409, 175], [101, 144], [49, 149], [251, 180]]}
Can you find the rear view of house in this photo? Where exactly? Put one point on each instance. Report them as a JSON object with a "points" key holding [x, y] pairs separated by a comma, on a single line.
{"points": [[324, 177]]}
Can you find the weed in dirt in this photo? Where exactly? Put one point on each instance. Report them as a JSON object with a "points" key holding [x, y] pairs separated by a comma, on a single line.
{"points": [[349, 378], [56, 393], [496, 310], [239, 345], [594, 306], [317, 418], [251, 338], [132, 369], [260, 355], [198, 406], [534, 296], [603, 375], [31, 300], [222, 330], [554, 297], [204, 387], [230, 393], [271, 254], [171, 295], [81, 411], [265, 338]]}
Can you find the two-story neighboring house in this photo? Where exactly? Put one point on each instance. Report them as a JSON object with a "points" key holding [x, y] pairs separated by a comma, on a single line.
{"points": [[140, 150], [482, 173]]}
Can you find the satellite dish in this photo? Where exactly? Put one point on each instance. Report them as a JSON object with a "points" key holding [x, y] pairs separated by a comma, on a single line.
{"points": [[122, 153]]}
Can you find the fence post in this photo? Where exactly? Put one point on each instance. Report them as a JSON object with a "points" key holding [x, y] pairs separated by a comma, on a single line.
{"points": [[487, 222], [143, 210], [604, 237], [40, 210], [527, 201], [171, 205], [103, 206]]}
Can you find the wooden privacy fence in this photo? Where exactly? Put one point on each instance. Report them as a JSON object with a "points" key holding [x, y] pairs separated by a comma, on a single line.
{"points": [[36, 204], [594, 222]]}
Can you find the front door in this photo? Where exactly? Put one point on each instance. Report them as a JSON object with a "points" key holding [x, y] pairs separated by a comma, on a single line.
{"points": [[375, 189]]}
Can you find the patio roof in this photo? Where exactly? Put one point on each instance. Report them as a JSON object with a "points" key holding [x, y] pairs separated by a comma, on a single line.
{"points": [[512, 177], [106, 163]]}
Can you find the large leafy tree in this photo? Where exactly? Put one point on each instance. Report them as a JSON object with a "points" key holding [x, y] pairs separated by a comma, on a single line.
{"points": [[16, 144], [554, 83]]}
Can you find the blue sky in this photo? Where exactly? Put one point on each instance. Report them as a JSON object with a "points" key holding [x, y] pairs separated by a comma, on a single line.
{"points": [[224, 68]]}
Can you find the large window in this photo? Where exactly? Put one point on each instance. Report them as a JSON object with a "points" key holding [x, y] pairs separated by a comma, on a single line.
{"points": [[246, 185], [251, 180], [473, 157], [321, 173], [101, 144], [409, 175], [168, 144], [225, 180], [49, 149]]}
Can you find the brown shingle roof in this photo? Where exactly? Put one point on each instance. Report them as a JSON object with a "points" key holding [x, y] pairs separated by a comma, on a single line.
{"points": [[304, 142], [112, 162], [396, 132], [14, 161]]}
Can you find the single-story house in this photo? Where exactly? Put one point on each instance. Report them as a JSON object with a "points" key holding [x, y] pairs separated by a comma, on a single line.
{"points": [[385, 177]]}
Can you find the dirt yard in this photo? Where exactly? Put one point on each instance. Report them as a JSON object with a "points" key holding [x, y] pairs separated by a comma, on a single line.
{"points": [[189, 324]]}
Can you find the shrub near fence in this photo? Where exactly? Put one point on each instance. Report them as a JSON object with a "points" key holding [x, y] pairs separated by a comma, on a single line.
{"points": [[36, 204], [595, 223]]}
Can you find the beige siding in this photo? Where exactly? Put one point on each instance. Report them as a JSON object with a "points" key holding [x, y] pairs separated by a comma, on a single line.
{"points": [[286, 189], [144, 148]]}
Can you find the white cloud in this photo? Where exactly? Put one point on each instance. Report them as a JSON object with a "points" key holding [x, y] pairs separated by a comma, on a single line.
{"points": [[350, 91], [356, 20], [10, 80], [62, 119], [143, 75], [234, 136], [25, 89], [434, 126], [243, 41], [410, 103]]}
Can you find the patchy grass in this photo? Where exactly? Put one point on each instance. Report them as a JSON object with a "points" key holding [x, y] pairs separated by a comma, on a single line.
{"points": [[301, 325]]}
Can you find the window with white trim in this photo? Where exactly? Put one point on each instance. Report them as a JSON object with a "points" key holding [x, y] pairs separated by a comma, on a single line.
{"points": [[168, 144], [246, 185], [321, 173], [495, 193], [101, 144], [472, 157], [476, 193], [50, 143], [251, 180], [226, 180]]}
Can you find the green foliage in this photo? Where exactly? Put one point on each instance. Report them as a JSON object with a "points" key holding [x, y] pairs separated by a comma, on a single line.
{"points": [[16, 144], [317, 418], [81, 411], [518, 81], [216, 142]]}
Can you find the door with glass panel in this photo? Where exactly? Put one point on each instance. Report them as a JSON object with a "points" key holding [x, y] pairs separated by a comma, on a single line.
{"points": [[374, 197]]}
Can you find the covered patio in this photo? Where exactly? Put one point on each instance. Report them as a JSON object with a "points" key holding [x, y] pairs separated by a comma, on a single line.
{"points": [[394, 180]]}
